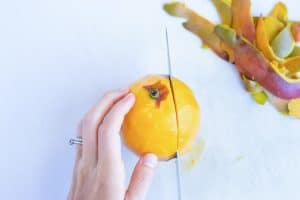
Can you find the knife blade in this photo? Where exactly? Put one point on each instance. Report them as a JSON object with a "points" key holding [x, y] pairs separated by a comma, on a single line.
{"points": [[177, 156]]}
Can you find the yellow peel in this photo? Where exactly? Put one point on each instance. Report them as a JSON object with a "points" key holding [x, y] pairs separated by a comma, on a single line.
{"points": [[294, 108], [296, 51], [283, 72], [229, 51], [262, 42], [226, 34], [272, 27], [256, 91], [292, 64], [280, 12], [224, 10]]}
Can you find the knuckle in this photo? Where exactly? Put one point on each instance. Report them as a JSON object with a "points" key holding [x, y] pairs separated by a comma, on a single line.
{"points": [[88, 122], [82, 173], [105, 127]]}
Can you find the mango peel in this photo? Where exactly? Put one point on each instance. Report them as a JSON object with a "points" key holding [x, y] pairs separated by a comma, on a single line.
{"points": [[198, 25], [224, 10], [265, 49]]}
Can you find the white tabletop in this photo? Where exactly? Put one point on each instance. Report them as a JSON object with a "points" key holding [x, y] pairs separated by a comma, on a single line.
{"points": [[58, 57]]}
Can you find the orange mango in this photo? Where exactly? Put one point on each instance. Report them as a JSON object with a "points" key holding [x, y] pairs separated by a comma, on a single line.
{"points": [[151, 126]]}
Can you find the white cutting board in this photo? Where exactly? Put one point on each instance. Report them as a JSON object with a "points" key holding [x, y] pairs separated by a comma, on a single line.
{"points": [[58, 57]]}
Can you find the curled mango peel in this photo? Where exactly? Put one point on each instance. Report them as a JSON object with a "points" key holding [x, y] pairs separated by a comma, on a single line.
{"points": [[293, 66], [280, 12], [224, 10], [284, 43], [256, 91], [262, 41], [264, 49], [296, 31], [272, 27], [242, 21], [201, 27]]}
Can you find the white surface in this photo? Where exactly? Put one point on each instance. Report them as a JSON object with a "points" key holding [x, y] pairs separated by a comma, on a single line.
{"points": [[58, 57]]}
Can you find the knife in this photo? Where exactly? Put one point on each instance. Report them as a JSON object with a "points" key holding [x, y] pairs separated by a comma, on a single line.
{"points": [[177, 156]]}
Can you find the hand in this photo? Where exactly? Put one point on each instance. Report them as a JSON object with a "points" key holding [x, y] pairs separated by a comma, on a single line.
{"points": [[99, 169]]}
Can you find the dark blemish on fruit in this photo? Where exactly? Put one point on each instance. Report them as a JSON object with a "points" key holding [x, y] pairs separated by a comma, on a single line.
{"points": [[157, 92]]}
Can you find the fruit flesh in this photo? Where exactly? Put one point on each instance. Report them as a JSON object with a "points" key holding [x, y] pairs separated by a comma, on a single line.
{"points": [[187, 113], [151, 129]]}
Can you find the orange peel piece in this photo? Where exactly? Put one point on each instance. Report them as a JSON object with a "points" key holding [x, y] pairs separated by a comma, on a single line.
{"points": [[242, 20]]}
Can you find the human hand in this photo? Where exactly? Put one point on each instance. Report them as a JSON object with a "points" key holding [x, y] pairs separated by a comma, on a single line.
{"points": [[99, 169]]}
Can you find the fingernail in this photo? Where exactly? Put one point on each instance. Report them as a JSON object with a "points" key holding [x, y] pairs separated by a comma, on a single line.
{"points": [[150, 160]]}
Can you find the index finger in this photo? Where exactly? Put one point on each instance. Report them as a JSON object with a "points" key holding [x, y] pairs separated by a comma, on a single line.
{"points": [[109, 142], [91, 121]]}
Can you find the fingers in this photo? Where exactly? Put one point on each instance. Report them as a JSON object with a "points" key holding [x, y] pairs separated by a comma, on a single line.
{"points": [[141, 178], [91, 122], [109, 151]]}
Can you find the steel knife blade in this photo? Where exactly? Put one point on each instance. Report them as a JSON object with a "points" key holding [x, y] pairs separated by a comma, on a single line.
{"points": [[177, 155]]}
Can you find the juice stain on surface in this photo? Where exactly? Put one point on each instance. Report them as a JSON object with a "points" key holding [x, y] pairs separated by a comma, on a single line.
{"points": [[193, 155], [239, 158]]}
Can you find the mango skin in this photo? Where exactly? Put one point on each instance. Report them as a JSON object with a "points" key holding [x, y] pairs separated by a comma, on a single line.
{"points": [[148, 128], [253, 65]]}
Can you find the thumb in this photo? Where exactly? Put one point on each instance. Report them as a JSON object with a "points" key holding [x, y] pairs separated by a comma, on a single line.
{"points": [[141, 178]]}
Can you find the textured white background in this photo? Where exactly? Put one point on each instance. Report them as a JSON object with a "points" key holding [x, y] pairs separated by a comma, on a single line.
{"points": [[57, 57]]}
